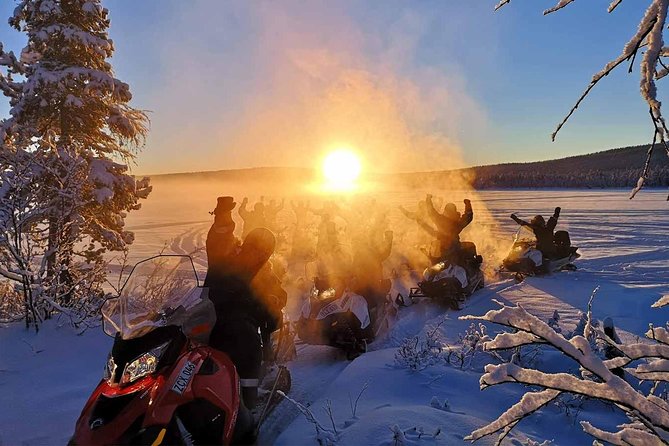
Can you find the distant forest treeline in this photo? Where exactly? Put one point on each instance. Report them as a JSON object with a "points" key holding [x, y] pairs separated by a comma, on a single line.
{"points": [[616, 168], [608, 169]]}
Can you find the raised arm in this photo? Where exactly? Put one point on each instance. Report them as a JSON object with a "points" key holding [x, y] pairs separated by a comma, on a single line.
{"points": [[407, 214], [243, 212], [387, 246], [552, 222], [431, 211], [468, 216], [519, 221], [427, 228], [319, 212]]}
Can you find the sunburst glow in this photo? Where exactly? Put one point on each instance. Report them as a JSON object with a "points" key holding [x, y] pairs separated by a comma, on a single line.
{"points": [[341, 169]]}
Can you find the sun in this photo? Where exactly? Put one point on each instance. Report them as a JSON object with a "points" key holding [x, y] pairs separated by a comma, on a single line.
{"points": [[341, 169]]}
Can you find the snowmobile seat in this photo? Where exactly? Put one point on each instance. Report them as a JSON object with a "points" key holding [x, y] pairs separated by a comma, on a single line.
{"points": [[468, 255], [562, 244], [561, 238], [468, 249]]}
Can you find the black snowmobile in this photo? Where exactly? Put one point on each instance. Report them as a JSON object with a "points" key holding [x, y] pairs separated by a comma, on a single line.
{"points": [[337, 319], [525, 259], [451, 282]]}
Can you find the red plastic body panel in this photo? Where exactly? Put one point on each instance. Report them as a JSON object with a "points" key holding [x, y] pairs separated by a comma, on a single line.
{"points": [[156, 401]]}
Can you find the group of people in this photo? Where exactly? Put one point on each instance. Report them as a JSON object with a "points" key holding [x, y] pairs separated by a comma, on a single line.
{"points": [[348, 249]]}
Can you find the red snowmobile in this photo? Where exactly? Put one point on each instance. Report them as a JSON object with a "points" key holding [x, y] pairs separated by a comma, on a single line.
{"points": [[162, 383]]}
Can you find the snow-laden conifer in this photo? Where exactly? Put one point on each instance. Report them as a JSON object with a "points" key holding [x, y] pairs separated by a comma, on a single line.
{"points": [[66, 149]]}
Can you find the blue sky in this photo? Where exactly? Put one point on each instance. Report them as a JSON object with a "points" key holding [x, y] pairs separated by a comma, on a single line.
{"points": [[426, 84]]}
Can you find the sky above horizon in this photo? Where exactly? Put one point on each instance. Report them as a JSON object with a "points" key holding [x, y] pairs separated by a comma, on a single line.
{"points": [[410, 85]]}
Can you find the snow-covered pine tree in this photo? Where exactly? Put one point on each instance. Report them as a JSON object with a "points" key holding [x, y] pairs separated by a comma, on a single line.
{"points": [[66, 147]]}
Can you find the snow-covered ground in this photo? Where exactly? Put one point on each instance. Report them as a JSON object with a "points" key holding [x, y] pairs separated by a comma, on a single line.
{"points": [[46, 378]]}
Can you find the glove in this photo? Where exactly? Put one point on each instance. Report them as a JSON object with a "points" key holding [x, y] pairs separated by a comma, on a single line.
{"points": [[513, 217], [557, 211], [467, 202]]}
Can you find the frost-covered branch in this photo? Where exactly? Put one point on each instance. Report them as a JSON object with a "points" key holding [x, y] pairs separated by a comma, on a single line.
{"points": [[529, 403], [560, 4], [600, 378], [649, 36]]}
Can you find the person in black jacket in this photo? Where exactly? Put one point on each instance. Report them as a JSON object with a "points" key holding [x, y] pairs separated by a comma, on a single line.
{"points": [[543, 231], [449, 225], [221, 242], [368, 256], [246, 301]]}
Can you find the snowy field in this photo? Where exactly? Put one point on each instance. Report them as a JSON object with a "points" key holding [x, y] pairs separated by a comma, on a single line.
{"points": [[46, 378]]}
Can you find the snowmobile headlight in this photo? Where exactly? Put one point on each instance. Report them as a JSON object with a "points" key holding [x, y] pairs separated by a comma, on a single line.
{"points": [[330, 292], [143, 365]]}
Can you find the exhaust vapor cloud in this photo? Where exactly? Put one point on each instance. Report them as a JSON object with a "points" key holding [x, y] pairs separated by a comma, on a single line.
{"points": [[280, 83]]}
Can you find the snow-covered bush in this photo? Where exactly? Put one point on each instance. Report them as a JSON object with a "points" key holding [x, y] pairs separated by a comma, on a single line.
{"points": [[649, 40], [65, 186], [403, 437], [419, 352], [324, 435], [647, 412], [469, 344]]}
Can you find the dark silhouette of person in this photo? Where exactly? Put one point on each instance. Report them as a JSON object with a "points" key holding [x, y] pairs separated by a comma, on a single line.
{"points": [[368, 257], [420, 214], [272, 210], [543, 231], [449, 224], [300, 209], [221, 244], [242, 296], [252, 219], [266, 287], [301, 246]]}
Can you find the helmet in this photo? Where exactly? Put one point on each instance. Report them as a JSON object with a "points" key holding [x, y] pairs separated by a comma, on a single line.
{"points": [[258, 246], [538, 220], [451, 211]]}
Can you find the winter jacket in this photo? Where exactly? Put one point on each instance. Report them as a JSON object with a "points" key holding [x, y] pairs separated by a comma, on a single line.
{"points": [[449, 227], [252, 219], [368, 261], [221, 246], [270, 295], [544, 234]]}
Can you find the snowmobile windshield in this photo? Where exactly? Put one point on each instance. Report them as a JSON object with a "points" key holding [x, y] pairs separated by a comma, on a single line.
{"points": [[524, 233], [156, 294]]}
